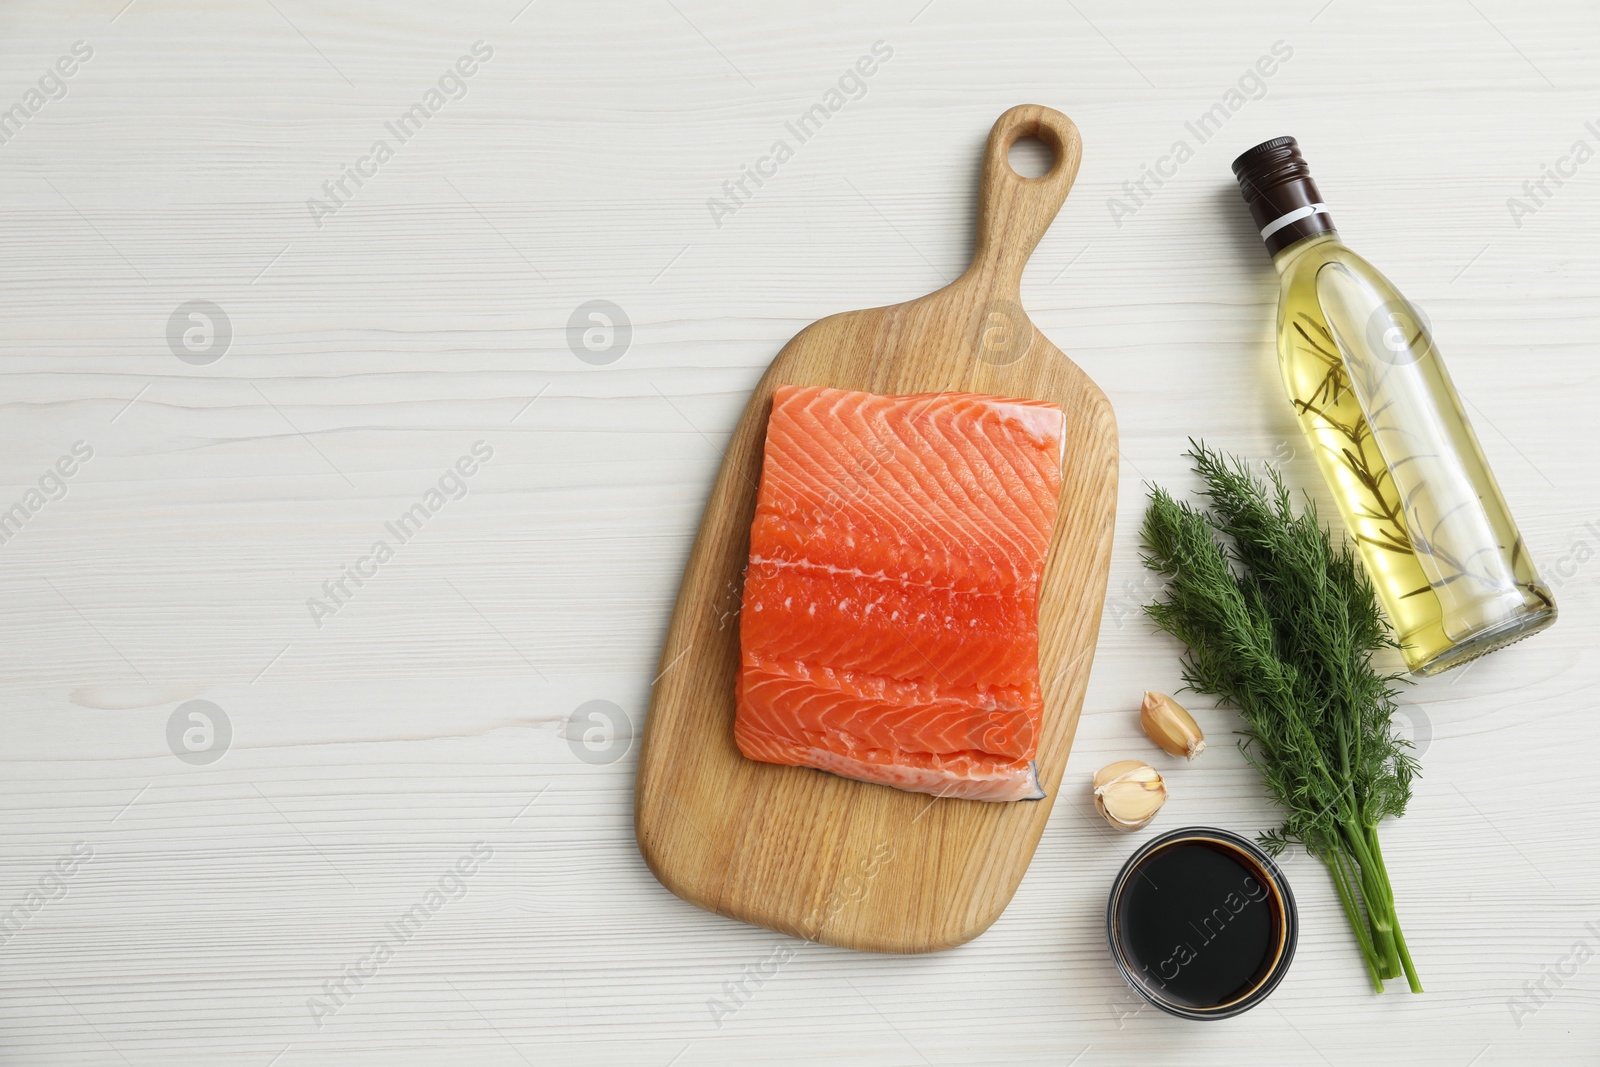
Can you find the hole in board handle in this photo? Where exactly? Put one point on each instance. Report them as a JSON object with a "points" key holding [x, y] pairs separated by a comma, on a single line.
{"points": [[1030, 157]]}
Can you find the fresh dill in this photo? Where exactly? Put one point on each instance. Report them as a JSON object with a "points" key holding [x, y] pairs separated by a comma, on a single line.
{"points": [[1282, 624]]}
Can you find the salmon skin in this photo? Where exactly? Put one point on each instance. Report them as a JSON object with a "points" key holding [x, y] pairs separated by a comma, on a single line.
{"points": [[889, 626]]}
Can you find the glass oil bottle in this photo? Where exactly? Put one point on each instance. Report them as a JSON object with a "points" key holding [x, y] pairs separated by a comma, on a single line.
{"points": [[1388, 432]]}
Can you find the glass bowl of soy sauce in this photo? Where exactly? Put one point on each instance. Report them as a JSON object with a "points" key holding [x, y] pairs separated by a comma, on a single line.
{"points": [[1201, 923]]}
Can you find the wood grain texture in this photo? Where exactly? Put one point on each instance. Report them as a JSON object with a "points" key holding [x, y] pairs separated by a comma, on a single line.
{"points": [[437, 707], [822, 857]]}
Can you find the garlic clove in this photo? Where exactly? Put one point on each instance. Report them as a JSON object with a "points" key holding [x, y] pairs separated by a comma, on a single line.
{"points": [[1129, 793], [1170, 726]]}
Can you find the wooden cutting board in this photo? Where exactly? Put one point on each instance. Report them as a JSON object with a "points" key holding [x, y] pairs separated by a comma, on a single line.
{"points": [[825, 858]]}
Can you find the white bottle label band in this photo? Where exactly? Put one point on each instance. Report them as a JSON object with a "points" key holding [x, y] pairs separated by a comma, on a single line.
{"points": [[1291, 218]]}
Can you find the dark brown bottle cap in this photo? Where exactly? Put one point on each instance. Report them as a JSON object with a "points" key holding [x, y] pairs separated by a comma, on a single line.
{"points": [[1282, 196]]}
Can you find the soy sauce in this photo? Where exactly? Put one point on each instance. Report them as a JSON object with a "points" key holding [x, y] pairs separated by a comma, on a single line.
{"points": [[1202, 923]]}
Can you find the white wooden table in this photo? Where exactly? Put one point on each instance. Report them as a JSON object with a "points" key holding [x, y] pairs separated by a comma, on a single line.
{"points": [[234, 888]]}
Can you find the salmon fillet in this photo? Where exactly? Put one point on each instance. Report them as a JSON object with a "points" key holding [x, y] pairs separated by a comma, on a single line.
{"points": [[889, 626]]}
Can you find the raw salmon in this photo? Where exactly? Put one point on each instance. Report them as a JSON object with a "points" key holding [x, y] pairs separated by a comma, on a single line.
{"points": [[889, 628]]}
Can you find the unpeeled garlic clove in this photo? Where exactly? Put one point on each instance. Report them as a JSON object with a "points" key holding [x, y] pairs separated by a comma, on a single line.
{"points": [[1171, 727], [1129, 793]]}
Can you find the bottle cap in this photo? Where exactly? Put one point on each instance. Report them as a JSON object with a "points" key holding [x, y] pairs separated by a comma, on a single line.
{"points": [[1282, 196]]}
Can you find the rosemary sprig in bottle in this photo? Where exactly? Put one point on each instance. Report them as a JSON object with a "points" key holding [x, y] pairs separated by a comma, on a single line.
{"points": [[1282, 624]]}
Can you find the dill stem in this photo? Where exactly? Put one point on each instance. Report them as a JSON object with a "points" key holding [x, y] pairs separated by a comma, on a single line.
{"points": [[1341, 881], [1375, 896], [1412, 979]]}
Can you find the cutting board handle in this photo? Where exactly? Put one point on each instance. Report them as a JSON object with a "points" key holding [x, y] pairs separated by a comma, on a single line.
{"points": [[1013, 211]]}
